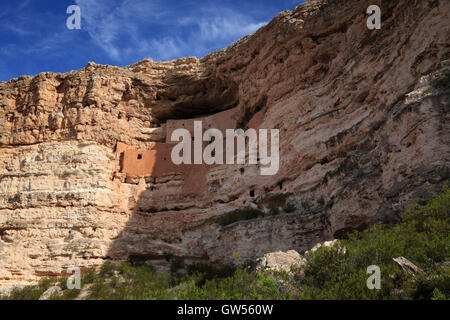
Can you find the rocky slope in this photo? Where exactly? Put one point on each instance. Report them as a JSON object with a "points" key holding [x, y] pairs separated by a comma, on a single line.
{"points": [[363, 120]]}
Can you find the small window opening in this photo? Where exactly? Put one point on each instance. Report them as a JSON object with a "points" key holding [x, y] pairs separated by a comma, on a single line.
{"points": [[139, 156], [252, 193]]}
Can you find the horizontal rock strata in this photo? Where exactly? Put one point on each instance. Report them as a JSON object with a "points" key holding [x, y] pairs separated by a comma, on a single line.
{"points": [[364, 126]]}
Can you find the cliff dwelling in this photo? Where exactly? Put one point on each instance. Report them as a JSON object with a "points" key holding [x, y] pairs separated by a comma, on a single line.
{"points": [[86, 174], [134, 164]]}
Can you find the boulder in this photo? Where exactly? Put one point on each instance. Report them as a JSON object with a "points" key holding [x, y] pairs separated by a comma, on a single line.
{"points": [[408, 266], [53, 290], [280, 261], [328, 244]]}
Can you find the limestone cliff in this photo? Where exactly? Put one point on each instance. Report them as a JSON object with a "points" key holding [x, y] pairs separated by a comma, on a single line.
{"points": [[364, 126]]}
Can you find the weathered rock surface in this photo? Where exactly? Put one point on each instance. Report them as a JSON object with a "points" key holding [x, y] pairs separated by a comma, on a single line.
{"points": [[334, 244], [408, 266], [362, 130], [52, 291], [280, 261]]}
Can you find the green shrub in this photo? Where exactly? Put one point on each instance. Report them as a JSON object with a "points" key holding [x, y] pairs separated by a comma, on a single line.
{"points": [[136, 260], [25, 293], [176, 264], [88, 276], [240, 285], [422, 236], [437, 295], [107, 270], [201, 272]]}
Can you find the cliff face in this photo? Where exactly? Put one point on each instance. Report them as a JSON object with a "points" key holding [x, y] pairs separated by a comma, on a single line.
{"points": [[363, 128]]}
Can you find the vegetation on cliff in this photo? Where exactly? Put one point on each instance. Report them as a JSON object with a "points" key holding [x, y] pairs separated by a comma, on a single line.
{"points": [[422, 236]]}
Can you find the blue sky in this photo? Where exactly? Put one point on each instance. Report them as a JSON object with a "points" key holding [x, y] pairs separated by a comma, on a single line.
{"points": [[34, 37]]}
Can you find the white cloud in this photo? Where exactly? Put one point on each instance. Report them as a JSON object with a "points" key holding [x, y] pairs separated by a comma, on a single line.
{"points": [[118, 27], [220, 28], [23, 5], [228, 25], [100, 23], [167, 48], [17, 30]]}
